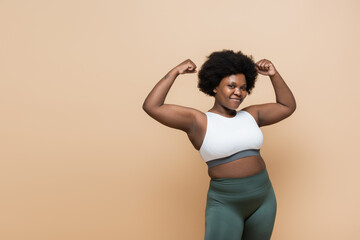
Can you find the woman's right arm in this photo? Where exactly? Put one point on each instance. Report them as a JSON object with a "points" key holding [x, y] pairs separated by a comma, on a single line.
{"points": [[171, 115]]}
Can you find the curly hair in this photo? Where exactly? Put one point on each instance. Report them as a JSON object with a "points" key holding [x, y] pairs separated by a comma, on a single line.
{"points": [[223, 64]]}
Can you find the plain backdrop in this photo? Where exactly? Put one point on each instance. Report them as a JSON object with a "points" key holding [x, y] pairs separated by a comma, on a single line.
{"points": [[80, 159]]}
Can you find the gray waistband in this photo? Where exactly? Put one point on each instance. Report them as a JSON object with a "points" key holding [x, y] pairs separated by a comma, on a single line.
{"points": [[235, 156]]}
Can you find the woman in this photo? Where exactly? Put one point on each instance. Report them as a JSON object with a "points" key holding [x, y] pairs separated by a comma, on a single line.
{"points": [[241, 203]]}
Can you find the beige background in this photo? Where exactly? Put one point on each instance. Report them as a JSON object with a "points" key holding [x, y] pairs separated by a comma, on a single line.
{"points": [[81, 160]]}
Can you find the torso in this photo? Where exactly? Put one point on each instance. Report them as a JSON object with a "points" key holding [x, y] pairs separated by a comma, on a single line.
{"points": [[242, 167]]}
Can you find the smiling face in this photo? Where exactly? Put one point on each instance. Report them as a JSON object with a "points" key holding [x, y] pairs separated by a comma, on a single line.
{"points": [[230, 92]]}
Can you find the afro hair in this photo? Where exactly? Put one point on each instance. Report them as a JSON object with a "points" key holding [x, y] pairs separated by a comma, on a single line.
{"points": [[223, 64]]}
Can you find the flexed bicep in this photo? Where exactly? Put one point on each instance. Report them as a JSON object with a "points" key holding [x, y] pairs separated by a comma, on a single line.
{"points": [[175, 116], [269, 113]]}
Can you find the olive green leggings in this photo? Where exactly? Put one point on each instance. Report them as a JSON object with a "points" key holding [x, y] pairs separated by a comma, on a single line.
{"points": [[240, 208]]}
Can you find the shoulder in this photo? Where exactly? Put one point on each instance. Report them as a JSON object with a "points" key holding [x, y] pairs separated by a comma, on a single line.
{"points": [[269, 113], [196, 117], [197, 114], [200, 117], [254, 111]]}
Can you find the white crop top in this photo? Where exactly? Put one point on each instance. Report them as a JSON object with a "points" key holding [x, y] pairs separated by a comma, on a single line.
{"points": [[227, 139]]}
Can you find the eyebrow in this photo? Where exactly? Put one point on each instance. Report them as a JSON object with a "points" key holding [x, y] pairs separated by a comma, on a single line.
{"points": [[233, 82]]}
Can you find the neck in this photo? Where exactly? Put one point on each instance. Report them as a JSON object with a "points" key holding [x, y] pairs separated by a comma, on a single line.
{"points": [[223, 110]]}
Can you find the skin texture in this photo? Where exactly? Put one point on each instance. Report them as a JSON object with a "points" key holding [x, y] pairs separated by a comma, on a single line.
{"points": [[229, 94]]}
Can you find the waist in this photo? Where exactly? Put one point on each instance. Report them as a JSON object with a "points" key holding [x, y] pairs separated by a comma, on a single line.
{"points": [[242, 167], [240, 185], [233, 157]]}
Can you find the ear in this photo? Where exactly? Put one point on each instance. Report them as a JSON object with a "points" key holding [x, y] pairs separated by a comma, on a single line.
{"points": [[214, 90]]}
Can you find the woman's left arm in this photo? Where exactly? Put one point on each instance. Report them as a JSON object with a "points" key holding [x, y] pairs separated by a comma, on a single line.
{"points": [[285, 105]]}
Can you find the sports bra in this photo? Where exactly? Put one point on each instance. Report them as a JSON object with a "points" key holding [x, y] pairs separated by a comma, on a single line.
{"points": [[228, 139]]}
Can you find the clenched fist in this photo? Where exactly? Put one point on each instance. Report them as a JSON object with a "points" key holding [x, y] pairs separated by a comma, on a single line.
{"points": [[265, 67], [186, 66]]}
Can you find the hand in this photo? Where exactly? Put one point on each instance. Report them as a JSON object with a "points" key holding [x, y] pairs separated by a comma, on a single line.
{"points": [[265, 67], [186, 66]]}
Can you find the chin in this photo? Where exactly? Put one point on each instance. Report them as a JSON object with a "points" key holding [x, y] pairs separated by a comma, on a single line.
{"points": [[233, 108]]}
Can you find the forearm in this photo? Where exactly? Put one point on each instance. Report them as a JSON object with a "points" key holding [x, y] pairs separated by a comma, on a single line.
{"points": [[158, 94], [283, 93]]}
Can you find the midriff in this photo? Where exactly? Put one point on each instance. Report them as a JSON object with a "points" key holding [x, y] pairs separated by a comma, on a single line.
{"points": [[239, 168]]}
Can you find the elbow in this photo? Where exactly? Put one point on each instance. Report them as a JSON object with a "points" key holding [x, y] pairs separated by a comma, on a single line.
{"points": [[150, 110], [145, 107], [294, 106], [292, 109], [291, 106]]}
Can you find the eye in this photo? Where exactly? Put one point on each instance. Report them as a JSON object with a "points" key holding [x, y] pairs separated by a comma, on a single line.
{"points": [[230, 86], [243, 88]]}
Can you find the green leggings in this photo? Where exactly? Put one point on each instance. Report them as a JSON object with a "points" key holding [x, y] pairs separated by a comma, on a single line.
{"points": [[240, 208]]}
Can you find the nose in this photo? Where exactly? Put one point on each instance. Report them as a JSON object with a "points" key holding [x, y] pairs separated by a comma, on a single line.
{"points": [[237, 91]]}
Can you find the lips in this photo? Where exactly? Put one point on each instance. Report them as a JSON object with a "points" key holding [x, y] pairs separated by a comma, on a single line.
{"points": [[236, 99]]}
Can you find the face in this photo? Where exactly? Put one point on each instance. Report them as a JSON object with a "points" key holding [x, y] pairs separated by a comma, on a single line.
{"points": [[231, 91]]}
